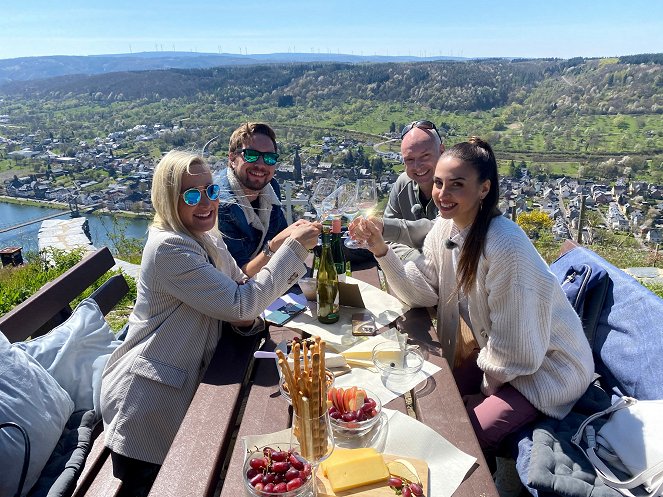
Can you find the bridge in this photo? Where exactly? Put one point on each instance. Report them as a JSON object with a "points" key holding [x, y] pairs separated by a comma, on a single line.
{"points": [[73, 211], [32, 221]]}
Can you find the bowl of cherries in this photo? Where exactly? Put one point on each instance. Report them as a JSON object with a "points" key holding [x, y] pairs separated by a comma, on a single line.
{"points": [[354, 411], [269, 472]]}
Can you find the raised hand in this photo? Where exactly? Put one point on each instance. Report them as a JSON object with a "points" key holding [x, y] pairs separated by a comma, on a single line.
{"points": [[369, 230], [307, 234]]}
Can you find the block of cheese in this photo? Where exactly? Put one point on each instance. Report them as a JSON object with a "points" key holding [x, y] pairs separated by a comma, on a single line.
{"points": [[341, 454], [354, 469]]}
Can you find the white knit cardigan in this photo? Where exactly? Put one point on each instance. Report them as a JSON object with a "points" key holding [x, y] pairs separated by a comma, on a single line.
{"points": [[529, 334]]}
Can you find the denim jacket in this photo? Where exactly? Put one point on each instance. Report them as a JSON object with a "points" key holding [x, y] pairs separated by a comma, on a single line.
{"points": [[245, 240]]}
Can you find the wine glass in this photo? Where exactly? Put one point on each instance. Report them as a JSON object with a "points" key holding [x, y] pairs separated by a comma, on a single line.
{"points": [[367, 200], [313, 438], [323, 189], [339, 201]]}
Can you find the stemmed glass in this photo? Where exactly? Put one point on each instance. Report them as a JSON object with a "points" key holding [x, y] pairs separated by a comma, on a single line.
{"points": [[313, 439], [340, 200], [322, 191], [367, 200]]}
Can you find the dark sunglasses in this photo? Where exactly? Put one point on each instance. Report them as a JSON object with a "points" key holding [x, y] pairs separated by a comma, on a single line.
{"points": [[192, 196], [422, 125], [268, 158]]}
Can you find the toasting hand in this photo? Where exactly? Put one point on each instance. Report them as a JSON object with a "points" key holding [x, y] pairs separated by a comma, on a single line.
{"points": [[369, 230]]}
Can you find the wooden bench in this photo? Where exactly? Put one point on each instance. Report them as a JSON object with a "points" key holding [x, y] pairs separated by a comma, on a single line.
{"points": [[48, 308]]}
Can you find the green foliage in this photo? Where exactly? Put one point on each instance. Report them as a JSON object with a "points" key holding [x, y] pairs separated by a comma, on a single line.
{"points": [[535, 223], [18, 283]]}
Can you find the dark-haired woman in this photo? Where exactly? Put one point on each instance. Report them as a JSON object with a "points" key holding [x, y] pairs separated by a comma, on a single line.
{"points": [[533, 356]]}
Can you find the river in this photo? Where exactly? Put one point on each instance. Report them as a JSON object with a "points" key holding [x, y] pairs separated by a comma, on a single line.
{"points": [[100, 226]]}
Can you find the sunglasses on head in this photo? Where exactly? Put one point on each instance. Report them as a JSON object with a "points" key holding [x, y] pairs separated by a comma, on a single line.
{"points": [[422, 125], [192, 196], [268, 158]]}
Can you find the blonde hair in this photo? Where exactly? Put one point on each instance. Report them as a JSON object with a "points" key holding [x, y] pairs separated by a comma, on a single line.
{"points": [[166, 185]]}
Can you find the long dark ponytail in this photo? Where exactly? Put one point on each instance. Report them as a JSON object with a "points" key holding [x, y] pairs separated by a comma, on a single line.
{"points": [[479, 154]]}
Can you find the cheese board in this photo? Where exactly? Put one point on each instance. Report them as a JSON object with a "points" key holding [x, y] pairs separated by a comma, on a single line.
{"points": [[380, 489]]}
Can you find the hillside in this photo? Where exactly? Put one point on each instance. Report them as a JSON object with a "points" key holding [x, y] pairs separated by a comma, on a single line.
{"points": [[558, 115], [576, 86]]}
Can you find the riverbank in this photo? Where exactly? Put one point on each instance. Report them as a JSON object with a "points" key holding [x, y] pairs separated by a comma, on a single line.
{"points": [[63, 206]]}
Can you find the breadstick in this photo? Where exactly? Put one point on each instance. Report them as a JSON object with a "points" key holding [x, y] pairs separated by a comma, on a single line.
{"points": [[306, 361], [315, 406], [296, 358]]}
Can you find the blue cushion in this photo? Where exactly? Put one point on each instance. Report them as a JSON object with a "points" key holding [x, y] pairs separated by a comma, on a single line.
{"points": [[628, 340], [30, 397], [76, 352]]}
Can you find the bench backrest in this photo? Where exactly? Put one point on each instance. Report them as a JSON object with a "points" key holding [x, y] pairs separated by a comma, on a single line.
{"points": [[50, 305]]}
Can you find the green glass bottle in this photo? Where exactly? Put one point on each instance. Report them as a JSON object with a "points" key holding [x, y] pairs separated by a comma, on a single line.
{"points": [[327, 283], [337, 249]]}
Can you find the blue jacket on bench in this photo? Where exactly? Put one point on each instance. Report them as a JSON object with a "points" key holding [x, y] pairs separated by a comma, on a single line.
{"points": [[624, 324]]}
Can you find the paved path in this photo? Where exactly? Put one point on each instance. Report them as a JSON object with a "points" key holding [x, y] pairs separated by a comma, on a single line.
{"points": [[651, 275]]}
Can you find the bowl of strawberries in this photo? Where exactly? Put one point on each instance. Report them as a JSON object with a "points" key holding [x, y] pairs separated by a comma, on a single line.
{"points": [[353, 411]]}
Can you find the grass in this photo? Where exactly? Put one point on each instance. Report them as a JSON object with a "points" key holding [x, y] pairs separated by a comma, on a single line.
{"points": [[19, 283]]}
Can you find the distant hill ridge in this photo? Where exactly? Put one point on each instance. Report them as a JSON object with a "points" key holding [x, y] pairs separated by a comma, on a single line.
{"points": [[30, 68], [629, 85]]}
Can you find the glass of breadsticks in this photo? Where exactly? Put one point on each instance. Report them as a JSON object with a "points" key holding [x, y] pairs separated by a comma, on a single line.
{"points": [[307, 384]]}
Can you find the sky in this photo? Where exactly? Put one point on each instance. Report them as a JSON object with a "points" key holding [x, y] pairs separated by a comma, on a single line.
{"points": [[481, 28]]}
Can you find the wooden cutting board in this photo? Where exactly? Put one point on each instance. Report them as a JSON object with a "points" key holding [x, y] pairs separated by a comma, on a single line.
{"points": [[379, 489]]}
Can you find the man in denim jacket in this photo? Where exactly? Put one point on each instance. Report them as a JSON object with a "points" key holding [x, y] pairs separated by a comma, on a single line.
{"points": [[251, 219]]}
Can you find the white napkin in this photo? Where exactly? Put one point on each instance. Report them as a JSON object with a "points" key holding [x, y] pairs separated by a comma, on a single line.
{"points": [[447, 465], [385, 309], [400, 435], [385, 389]]}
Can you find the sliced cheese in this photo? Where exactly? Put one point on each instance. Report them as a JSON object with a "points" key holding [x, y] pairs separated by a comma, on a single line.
{"points": [[363, 355], [356, 470]]}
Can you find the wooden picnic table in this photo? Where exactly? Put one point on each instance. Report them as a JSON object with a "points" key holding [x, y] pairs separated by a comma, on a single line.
{"points": [[239, 396]]}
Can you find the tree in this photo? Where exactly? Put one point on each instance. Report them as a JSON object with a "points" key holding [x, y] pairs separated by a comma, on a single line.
{"points": [[392, 127], [513, 170], [535, 223], [297, 163]]}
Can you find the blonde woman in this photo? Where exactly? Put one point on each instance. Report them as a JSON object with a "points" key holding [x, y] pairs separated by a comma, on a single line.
{"points": [[189, 284]]}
